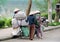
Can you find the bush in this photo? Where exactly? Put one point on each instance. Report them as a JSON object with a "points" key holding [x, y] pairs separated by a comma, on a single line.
{"points": [[53, 15], [5, 22], [8, 22], [2, 23], [46, 15]]}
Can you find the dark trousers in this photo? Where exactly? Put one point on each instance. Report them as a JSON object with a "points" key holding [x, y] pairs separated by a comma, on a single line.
{"points": [[32, 31], [38, 32]]}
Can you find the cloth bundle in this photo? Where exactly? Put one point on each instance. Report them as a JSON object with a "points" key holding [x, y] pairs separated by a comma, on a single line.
{"points": [[20, 15]]}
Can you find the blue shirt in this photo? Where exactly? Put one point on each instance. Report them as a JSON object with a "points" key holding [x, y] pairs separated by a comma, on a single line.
{"points": [[31, 19]]}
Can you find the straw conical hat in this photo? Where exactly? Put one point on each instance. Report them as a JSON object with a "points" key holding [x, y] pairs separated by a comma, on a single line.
{"points": [[34, 12], [16, 9]]}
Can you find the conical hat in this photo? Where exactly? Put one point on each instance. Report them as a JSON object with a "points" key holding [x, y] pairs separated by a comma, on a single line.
{"points": [[16, 9], [34, 12]]}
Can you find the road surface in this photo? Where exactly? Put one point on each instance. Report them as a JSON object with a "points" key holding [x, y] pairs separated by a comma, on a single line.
{"points": [[49, 36]]}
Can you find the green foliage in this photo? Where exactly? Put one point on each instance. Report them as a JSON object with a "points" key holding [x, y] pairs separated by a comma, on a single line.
{"points": [[54, 2], [2, 22], [53, 15], [5, 22], [42, 5], [54, 24], [46, 15], [8, 22]]}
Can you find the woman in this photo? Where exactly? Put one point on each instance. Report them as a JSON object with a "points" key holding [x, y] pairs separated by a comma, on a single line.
{"points": [[38, 24], [31, 19], [15, 24], [17, 21]]}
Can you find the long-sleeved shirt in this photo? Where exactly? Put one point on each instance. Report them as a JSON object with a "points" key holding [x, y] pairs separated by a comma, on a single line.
{"points": [[31, 19]]}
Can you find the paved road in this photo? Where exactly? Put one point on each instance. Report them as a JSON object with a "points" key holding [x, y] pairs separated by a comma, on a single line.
{"points": [[49, 36]]}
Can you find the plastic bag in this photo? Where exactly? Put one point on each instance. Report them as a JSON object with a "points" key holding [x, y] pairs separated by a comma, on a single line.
{"points": [[42, 28], [25, 31]]}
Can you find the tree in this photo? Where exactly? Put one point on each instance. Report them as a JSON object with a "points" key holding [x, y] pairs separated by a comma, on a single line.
{"points": [[57, 13], [49, 11], [41, 5], [29, 7], [47, 6]]}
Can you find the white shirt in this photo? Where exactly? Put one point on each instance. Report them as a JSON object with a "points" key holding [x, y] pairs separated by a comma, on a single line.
{"points": [[15, 22]]}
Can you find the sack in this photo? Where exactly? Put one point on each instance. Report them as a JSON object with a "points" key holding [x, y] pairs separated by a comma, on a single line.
{"points": [[25, 31], [42, 27], [24, 23], [20, 15], [16, 31]]}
